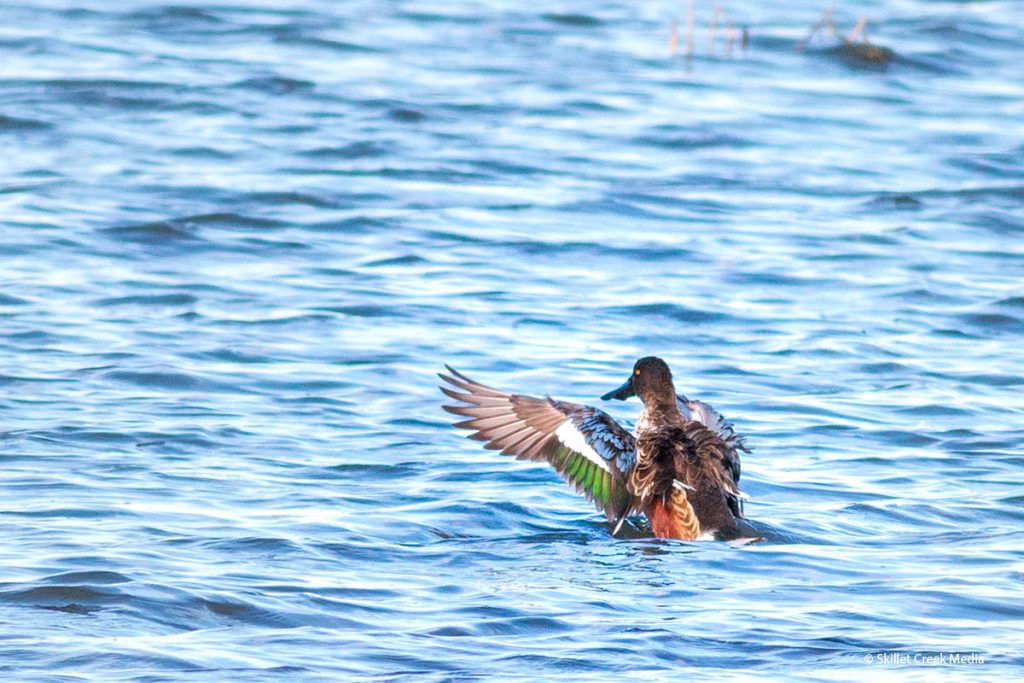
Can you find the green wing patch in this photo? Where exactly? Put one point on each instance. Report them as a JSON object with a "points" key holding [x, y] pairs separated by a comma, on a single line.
{"points": [[587, 477], [545, 429]]}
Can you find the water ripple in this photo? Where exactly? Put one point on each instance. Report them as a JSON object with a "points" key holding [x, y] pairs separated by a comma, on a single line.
{"points": [[239, 240]]}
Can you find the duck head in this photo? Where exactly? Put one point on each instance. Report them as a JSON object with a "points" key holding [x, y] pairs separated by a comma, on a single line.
{"points": [[651, 380]]}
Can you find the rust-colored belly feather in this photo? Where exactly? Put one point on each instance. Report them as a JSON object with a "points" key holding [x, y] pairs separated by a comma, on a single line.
{"points": [[672, 516]]}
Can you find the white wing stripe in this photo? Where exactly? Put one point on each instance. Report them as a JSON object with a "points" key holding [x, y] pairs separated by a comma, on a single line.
{"points": [[572, 438]]}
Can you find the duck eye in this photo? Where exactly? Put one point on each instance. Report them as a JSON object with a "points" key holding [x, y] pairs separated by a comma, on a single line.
{"points": [[636, 372]]}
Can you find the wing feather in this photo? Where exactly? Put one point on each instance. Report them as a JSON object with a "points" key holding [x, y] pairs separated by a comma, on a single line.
{"points": [[536, 451], [712, 419], [717, 462], [587, 447], [716, 422]]}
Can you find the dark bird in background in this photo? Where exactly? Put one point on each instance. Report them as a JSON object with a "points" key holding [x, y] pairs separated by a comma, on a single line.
{"points": [[681, 467]]}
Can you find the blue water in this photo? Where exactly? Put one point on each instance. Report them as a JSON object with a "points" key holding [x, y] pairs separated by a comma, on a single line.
{"points": [[239, 239]]}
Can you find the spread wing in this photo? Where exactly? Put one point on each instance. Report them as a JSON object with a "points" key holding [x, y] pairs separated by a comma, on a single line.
{"points": [[586, 446], [716, 422], [734, 443]]}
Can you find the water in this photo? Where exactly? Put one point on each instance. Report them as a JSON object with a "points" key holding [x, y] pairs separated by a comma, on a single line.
{"points": [[238, 240]]}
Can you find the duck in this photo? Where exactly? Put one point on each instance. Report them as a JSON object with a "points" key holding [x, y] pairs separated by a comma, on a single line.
{"points": [[680, 468]]}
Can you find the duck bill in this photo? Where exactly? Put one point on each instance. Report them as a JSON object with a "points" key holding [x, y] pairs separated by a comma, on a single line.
{"points": [[622, 393]]}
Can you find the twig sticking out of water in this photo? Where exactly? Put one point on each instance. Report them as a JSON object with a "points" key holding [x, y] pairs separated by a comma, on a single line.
{"points": [[861, 50], [713, 29], [719, 16], [689, 30], [823, 21], [857, 30]]}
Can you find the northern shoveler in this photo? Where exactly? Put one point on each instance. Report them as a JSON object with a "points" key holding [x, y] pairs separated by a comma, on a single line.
{"points": [[681, 468]]}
